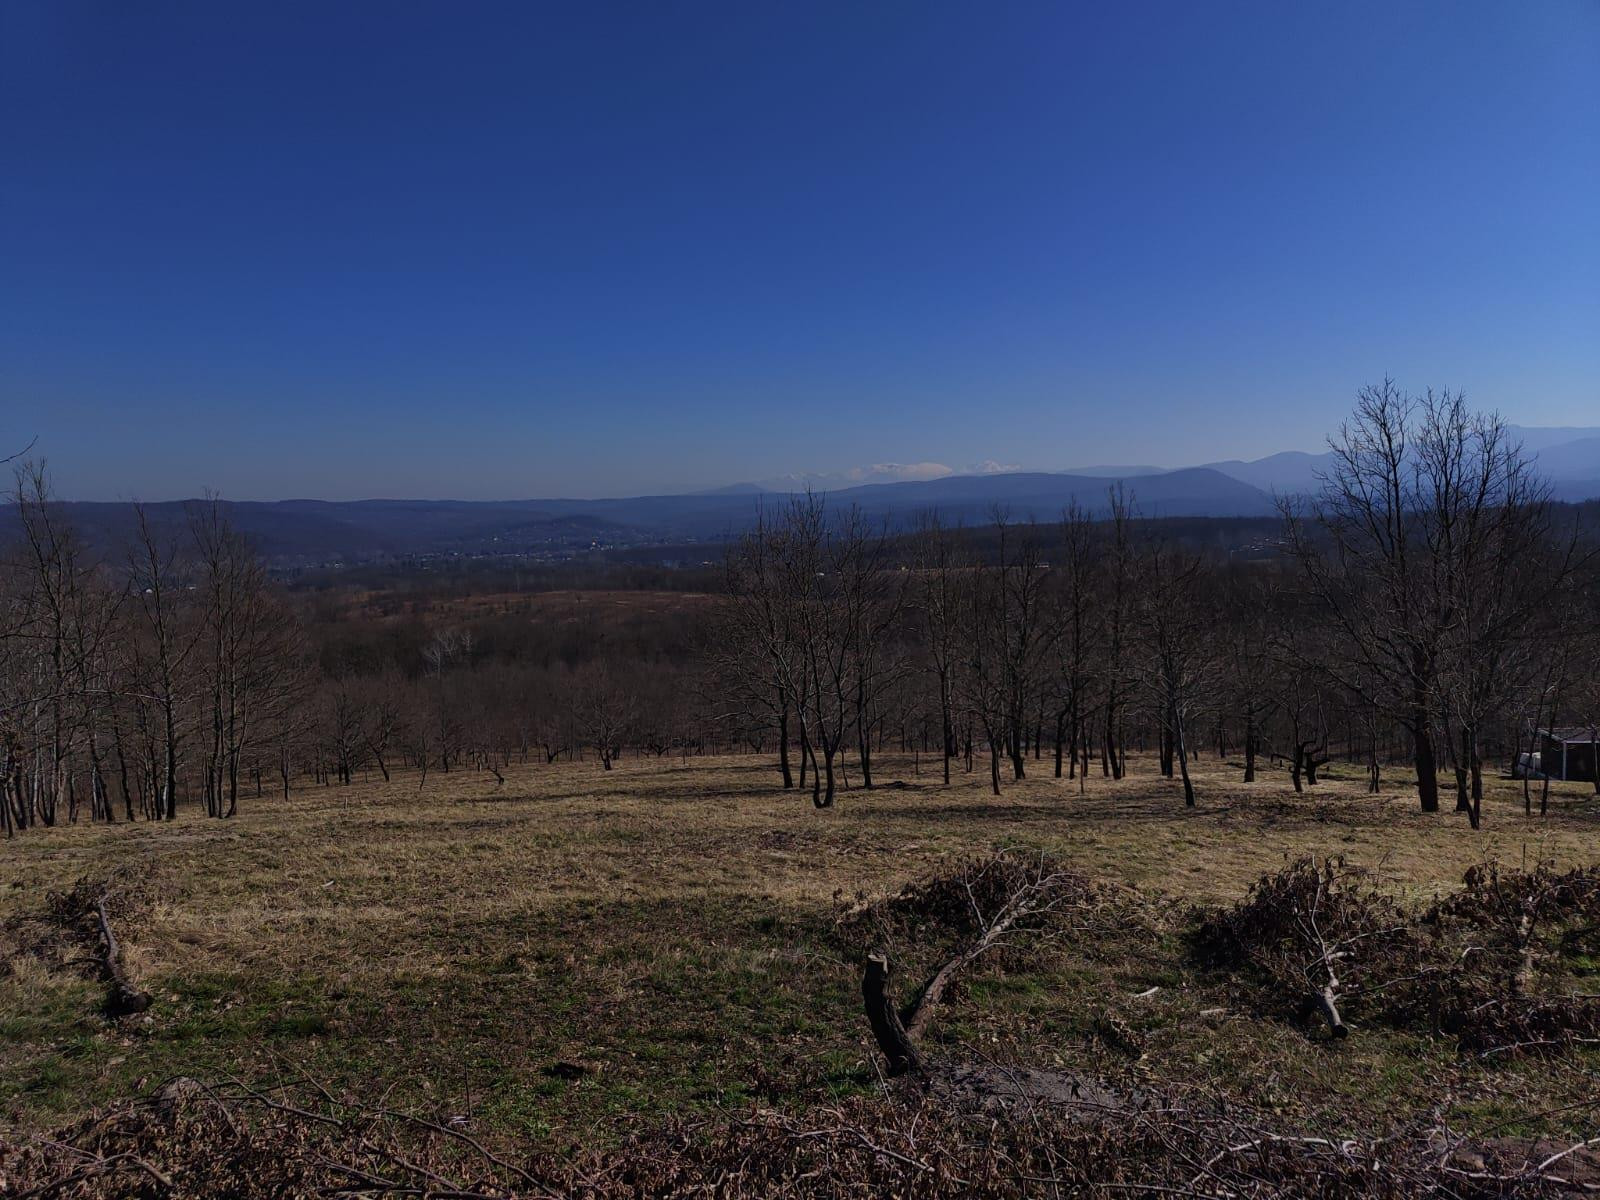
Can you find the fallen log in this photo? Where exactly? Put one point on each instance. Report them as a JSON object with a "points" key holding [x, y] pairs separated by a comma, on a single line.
{"points": [[123, 996]]}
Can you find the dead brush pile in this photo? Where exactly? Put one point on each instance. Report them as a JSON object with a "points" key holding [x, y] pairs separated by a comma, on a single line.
{"points": [[190, 1140], [1001, 911], [1316, 935], [930, 918], [1490, 964], [1521, 935]]}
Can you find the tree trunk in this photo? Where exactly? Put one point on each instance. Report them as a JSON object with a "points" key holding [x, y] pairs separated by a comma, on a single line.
{"points": [[169, 786], [1427, 768], [1183, 767], [783, 749], [948, 749], [887, 1028]]}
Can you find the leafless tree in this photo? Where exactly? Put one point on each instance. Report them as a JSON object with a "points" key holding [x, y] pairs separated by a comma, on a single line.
{"points": [[754, 644], [1079, 632], [1178, 656], [943, 576], [1423, 501], [252, 662], [1121, 569], [168, 636]]}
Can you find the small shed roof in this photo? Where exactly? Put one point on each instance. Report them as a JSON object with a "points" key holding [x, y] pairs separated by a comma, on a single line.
{"points": [[1572, 733]]}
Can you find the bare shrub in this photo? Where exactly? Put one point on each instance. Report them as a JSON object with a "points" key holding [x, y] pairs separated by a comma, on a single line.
{"points": [[1317, 932]]}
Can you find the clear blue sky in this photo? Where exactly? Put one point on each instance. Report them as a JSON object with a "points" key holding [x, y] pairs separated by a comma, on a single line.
{"points": [[486, 250]]}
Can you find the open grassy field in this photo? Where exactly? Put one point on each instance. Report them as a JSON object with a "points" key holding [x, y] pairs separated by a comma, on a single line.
{"points": [[580, 953]]}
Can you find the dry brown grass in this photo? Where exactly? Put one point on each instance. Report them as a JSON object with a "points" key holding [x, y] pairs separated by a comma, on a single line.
{"points": [[666, 925]]}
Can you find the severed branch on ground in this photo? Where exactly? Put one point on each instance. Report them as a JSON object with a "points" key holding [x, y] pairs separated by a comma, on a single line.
{"points": [[87, 910], [1038, 893], [123, 996]]}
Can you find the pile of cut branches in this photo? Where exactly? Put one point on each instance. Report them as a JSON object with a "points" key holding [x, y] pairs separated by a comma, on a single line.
{"points": [[1517, 930], [929, 919], [1487, 964], [190, 1139], [1318, 933], [979, 911]]}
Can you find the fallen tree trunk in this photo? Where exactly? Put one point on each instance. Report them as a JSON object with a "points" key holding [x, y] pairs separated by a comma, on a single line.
{"points": [[123, 996]]}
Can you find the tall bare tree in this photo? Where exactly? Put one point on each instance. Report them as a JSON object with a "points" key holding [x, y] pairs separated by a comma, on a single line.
{"points": [[252, 664], [942, 577], [1178, 657], [1423, 499]]}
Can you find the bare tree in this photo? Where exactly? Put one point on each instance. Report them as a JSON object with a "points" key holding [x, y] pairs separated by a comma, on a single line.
{"points": [[754, 644], [942, 577], [606, 709], [1079, 632], [1500, 572], [1422, 500], [1250, 602], [169, 637], [252, 663], [1177, 656], [67, 614], [1121, 568]]}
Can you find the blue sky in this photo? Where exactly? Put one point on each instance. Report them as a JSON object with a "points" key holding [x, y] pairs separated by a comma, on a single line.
{"points": [[487, 250]]}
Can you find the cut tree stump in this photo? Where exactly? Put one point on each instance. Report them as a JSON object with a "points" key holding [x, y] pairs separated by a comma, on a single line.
{"points": [[884, 1017]]}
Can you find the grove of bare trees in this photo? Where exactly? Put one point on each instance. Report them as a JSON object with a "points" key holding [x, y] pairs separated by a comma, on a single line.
{"points": [[1428, 608]]}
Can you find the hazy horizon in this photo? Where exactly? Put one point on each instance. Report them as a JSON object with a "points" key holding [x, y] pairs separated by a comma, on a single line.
{"points": [[821, 481]]}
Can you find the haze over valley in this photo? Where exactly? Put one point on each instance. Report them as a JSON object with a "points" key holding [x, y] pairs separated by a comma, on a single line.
{"points": [[303, 532]]}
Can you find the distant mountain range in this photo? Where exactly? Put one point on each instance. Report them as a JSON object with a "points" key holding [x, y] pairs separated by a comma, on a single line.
{"points": [[1568, 457], [291, 532]]}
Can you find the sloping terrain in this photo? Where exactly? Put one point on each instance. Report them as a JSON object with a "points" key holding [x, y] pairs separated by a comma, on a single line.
{"points": [[586, 954]]}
